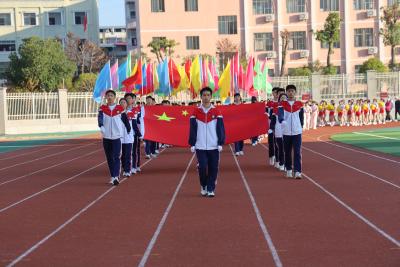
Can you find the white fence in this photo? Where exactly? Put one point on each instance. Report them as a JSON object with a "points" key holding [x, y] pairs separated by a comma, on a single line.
{"points": [[64, 111]]}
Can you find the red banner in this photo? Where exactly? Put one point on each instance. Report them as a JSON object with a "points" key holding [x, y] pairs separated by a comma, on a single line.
{"points": [[170, 124]]}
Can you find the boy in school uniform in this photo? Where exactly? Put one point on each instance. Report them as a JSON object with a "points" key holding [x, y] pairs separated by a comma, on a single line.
{"points": [[112, 120], [272, 105], [291, 116], [206, 138], [133, 112]]}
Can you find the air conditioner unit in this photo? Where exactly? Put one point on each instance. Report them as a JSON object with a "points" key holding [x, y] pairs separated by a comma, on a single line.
{"points": [[371, 13], [303, 16], [372, 50], [304, 54], [271, 54], [269, 18]]}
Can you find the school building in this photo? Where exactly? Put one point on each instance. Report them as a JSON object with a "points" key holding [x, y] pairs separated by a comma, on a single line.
{"points": [[255, 26], [47, 19]]}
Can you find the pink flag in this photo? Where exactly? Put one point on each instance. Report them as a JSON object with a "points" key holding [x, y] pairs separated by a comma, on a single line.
{"points": [[248, 86], [114, 76]]}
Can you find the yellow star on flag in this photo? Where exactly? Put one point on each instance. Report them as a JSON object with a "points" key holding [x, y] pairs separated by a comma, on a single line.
{"points": [[164, 117], [185, 113]]}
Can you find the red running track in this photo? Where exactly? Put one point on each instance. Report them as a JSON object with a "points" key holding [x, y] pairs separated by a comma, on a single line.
{"points": [[158, 218]]}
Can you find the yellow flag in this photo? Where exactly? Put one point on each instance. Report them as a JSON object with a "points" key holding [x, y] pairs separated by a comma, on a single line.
{"points": [[184, 85], [156, 83], [224, 82], [195, 74]]}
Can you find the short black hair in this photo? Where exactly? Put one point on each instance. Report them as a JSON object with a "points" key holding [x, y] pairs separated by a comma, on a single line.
{"points": [[235, 95], [291, 86], [122, 99], [130, 94], [280, 89], [149, 97], [253, 99], [275, 89], [111, 91], [205, 89]]}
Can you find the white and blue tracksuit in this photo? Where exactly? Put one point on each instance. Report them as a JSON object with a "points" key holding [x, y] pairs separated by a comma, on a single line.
{"points": [[291, 117], [112, 122], [207, 132], [127, 141], [136, 140]]}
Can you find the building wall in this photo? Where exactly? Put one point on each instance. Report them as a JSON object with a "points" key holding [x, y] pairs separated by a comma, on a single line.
{"points": [[113, 40], [176, 24], [17, 31]]}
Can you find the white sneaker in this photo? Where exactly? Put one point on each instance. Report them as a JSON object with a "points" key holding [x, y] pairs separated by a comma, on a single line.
{"points": [[211, 194], [154, 155], [237, 154], [282, 167], [241, 153], [115, 181], [148, 156], [203, 191], [111, 180], [126, 174], [138, 169], [157, 151], [272, 161], [133, 171], [297, 175], [289, 174], [277, 165]]}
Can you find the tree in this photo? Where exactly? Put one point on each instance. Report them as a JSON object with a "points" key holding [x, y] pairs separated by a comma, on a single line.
{"points": [[85, 82], [302, 71], [285, 36], [330, 34], [391, 30], [226, 49], [87, 56], [39, 65], [373, 64], [160, 46]]}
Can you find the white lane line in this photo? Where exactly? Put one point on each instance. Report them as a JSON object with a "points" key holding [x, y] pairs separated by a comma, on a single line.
{"points": [[353, 168], [379, 136], [153, 240], [47, 156], [355, 150], [53, 166], [263, 227], [21, 153], [58, 229], [365, 220]]}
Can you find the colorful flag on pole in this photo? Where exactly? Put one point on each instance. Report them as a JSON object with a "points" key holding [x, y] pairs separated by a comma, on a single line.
{"points": [[224, 83], [114, 76], [103, 83]]}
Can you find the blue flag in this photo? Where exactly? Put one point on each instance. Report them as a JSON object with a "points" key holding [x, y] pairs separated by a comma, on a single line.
{"points": [[163, 77], [122, 70], [103, 82]]}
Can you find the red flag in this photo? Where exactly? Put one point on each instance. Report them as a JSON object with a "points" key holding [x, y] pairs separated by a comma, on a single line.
{"points": [[136, 78], [170, 124], [85, 22], [174, 77]]}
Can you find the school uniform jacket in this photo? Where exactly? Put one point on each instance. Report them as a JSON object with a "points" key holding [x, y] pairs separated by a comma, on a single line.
{"points": [[293, 115], [128, 138], [114, 121], [207, 130]]}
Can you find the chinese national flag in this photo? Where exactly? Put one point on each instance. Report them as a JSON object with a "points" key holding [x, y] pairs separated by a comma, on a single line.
{"points": [[170, 124]]}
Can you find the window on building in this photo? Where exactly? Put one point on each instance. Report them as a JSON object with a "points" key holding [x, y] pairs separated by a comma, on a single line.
{"points": [[392, 2], [329, 5], [192, 42], [191, 5], [262, 7], [55, 18], [297, 41], [157, 6], [5, 19], [357, 68], [29, 19], [227, 25], [263, 41], [363, 4], [132, 10], [79, 18], [7, 46], [271, 72], [364, 37], [295, 6], [326, 46], [134, 41]]}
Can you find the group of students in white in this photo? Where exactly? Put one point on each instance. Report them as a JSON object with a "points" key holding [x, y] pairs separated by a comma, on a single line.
{"points": [[121, 135]]}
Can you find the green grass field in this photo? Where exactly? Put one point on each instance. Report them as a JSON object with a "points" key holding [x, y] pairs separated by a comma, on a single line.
{"points": [[382, 140], [14, 142]]}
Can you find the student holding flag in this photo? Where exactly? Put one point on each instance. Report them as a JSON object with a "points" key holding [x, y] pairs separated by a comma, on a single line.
{"points": [[206, 138]]}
